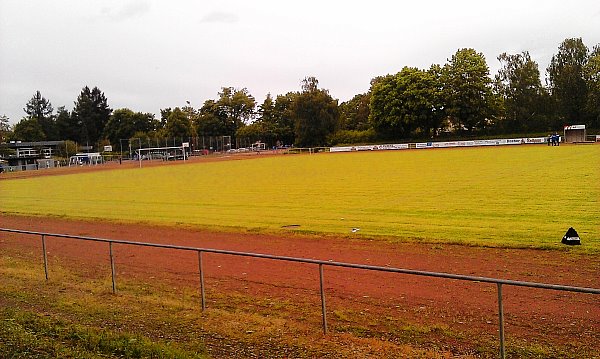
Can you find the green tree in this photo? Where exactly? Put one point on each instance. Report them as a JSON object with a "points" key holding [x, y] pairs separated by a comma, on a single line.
{"points": [[238, 105], [28, 129], [69, 148], [264, 128], [66, 125], [354, 113], [124, 123], [178, 124], [469, 99], [408, 103], [591, 74], [519, 85], [567, 85], [41, 109], [253, 132], [91, 113], [164, 115], [315, 114], [212, 120], [273, 125], [283, 118], [384, 116], [432, 124], [5, 131]]}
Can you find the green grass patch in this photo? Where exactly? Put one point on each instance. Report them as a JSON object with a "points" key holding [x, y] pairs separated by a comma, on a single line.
{"points": [[522, 196], [26, 334]]}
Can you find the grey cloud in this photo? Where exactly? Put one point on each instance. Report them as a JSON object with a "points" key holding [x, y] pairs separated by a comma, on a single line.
{"points": [[129, 10], [219, 17]]}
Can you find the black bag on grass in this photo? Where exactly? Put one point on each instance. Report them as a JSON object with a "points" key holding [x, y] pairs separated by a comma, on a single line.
{"points": [[571, 237]]}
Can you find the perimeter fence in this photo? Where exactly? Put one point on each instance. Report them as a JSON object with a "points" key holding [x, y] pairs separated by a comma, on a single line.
{"points": [[321, 265]]}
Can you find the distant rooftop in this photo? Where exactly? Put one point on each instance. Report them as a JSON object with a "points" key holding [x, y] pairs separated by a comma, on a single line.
{"points": [[19, 144]]}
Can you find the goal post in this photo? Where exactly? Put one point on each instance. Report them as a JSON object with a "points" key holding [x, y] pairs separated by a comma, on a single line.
{"points": [[226, 143], [170, 153], [258, 146]]}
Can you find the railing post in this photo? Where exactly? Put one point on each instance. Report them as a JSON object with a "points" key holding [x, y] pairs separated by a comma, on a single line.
{"points": [[501, 321], [201, 273], [45, 256], [323, 306], [112, 267]]}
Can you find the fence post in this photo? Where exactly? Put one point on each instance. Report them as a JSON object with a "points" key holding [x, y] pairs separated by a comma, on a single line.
{"points": [[201, 273], [501, 321], [45, 256], [112, 267], [323, 306]]}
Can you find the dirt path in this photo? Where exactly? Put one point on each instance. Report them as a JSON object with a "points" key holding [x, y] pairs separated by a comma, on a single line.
{"points": [[530, 313]]}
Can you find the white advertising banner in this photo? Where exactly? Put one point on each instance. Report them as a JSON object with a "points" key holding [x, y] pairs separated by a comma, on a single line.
{"points": [[536, 140], [514, 141], [447, 144], [340, 149], [398, 146]]}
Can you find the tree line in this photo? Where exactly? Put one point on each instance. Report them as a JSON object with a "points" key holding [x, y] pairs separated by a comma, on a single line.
{"points": [[458, 98]]}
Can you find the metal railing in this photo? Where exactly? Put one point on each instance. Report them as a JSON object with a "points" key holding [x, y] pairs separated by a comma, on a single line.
{"points": [[499, 282]]}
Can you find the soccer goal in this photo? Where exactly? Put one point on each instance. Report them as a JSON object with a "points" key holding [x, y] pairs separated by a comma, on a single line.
{"points": [[258, 146], [172, 153], [226, 144]]}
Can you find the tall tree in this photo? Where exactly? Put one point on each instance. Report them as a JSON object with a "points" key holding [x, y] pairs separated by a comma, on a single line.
{"points": [[41, 109], [315, 114], [383, 115], [274, 124], [518, 83], [178, 125], [28, 129], [212, 120], [238, 105], [124, 123], [4, 128], [66, 125], [432, 124], [264, 128], [283, 118], [5, 135], [567, 85], [354, 113], [591, 74], [408, 103], [91, 113], [468, 92]]}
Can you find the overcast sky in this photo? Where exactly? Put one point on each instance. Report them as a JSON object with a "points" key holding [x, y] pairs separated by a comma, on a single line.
{"points": [[148, 54]]}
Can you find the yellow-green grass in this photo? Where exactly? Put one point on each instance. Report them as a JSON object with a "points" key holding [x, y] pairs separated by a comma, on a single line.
{"points": [[510, 196]]}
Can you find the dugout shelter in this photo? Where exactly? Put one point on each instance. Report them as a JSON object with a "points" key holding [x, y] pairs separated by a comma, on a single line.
{"points": [[574, 133]]}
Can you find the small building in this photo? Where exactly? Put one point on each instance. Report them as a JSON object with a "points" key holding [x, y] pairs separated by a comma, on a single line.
{"points": [[574, 133], [23, 156]]}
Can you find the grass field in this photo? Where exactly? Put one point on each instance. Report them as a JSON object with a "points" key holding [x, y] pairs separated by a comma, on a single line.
{"points": [[511, 196]]}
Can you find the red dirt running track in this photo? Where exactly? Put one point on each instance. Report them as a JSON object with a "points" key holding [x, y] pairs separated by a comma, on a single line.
{"points": [[542, 315]]}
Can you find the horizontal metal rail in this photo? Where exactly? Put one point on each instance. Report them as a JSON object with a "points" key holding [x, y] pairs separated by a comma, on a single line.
{"points": [[321, 264], [325, 263]]}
